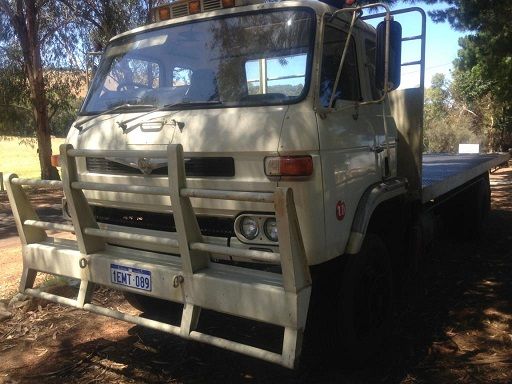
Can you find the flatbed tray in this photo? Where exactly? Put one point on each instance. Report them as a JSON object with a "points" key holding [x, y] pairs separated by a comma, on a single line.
{"points": [[441, 173]]}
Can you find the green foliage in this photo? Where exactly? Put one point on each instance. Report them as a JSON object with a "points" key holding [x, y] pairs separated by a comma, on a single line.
{"points": [[483, 68], [110, 17], [447, 121], [67, 30], [15, 112]]}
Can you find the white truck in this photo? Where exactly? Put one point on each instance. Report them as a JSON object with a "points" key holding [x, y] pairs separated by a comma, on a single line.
{"points": [[255, 159]]}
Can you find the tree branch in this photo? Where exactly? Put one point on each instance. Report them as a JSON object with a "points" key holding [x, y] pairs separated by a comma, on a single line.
{"points": [[77, 13], [16, 106], [4, 6], [464, 108]]}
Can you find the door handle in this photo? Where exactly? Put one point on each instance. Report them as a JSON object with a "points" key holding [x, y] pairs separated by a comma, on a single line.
{"points": [[377, 148]]}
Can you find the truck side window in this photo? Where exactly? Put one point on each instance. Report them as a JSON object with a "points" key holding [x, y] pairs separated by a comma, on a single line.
{"points": [[348, 85], [370, 50], [284, 75]]}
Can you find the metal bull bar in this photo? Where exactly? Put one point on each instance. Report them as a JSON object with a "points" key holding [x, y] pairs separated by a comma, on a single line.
{"points": [[190, 278]]}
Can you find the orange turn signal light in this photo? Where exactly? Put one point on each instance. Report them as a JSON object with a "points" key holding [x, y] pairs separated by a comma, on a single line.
{"points": [[289, 166], [55, 160], [194, 7]]}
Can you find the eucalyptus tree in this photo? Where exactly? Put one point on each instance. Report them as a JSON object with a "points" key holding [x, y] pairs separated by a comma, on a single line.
{"points": [[47, 40], [44, 33], [483, 68]]}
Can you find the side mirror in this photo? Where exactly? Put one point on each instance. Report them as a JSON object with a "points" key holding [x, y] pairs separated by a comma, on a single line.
{"points": [[395, 55]]}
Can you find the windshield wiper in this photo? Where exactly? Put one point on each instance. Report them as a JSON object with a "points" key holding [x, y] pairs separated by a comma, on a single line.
{"points": [[80, 124], [123, 124]]}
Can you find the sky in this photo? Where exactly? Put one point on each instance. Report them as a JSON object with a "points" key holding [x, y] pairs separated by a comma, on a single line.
{"points": [[441, 49], [441, 45]]}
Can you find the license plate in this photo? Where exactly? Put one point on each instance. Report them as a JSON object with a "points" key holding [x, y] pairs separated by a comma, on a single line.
{"points": [[130, 277]]}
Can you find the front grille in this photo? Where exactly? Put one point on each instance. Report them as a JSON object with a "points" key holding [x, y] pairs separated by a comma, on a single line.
{"points": [[100, 165], [209, 226], [194, 167]]}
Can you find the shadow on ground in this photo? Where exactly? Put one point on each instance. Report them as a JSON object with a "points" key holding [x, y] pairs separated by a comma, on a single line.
{"points": [[459, 332], [47, 201]]}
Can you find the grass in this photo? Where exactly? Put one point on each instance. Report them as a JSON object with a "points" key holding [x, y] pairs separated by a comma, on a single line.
{"points": [[19, 155]]}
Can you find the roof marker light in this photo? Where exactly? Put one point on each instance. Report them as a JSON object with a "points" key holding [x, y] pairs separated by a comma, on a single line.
{"points": [[164, 13], [228, 3], [194, 7]]}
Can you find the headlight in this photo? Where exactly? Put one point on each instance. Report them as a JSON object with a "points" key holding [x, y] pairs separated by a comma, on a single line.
{"points": [[271, 229], [249, 228]]}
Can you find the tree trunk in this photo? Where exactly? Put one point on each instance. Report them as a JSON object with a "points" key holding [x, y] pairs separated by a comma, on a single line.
{"points": [[44, 145], [27, 27]]}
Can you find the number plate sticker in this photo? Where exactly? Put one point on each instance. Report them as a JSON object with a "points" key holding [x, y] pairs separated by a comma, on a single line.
{"points": [[130, 277]]}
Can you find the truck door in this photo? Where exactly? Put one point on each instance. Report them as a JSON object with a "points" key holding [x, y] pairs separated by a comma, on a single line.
{"points": [[347, 139], [377, 116]]}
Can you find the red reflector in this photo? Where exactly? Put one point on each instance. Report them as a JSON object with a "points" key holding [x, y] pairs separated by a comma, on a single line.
{"points": [[289, 166], [55, 160]]}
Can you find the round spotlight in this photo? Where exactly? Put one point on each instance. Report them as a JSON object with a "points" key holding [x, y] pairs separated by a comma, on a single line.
{"points": [[271, 229], [249, 228]]}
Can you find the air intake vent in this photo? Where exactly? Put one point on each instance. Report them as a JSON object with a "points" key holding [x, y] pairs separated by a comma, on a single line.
{"points": [[210, 5], [194, 167], [179, 10]]}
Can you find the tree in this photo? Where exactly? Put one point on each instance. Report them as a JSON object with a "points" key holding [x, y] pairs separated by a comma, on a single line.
{"points": [[483, 68], [446, 122], [47, 39], [106, 18], [32, 26]]}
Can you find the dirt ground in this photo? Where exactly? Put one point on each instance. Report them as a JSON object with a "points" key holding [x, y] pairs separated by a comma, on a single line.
{"points": [[461, 332]]}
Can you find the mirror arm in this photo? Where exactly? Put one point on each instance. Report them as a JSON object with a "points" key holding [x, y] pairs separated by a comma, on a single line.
{"points": [[357, 13], [342, 61]]}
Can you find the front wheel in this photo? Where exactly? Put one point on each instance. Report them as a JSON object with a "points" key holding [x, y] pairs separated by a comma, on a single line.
{"points": [[365, 306], [151, 305]]}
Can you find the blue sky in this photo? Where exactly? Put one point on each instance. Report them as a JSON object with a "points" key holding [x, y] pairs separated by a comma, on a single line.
{"points": [[441, 48]]}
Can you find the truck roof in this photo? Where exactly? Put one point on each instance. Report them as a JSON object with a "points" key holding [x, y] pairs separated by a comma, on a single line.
{"points": [[318, 7]]}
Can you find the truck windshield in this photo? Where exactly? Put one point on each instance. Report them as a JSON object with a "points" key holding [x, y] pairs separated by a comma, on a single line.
{"points": [[240, 60]]}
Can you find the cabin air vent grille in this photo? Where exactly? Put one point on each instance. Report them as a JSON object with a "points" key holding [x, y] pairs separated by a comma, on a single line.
{"points": [[210, 5], [179, 10], [194, 167]]}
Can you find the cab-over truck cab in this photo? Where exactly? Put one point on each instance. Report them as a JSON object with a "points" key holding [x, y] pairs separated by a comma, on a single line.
{"points": [[248, 92]]}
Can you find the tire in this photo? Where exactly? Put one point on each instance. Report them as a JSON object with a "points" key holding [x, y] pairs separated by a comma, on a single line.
{"points": [[414, 265], [151, 305], [466, 215], [365, 308], [482, 205]]}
